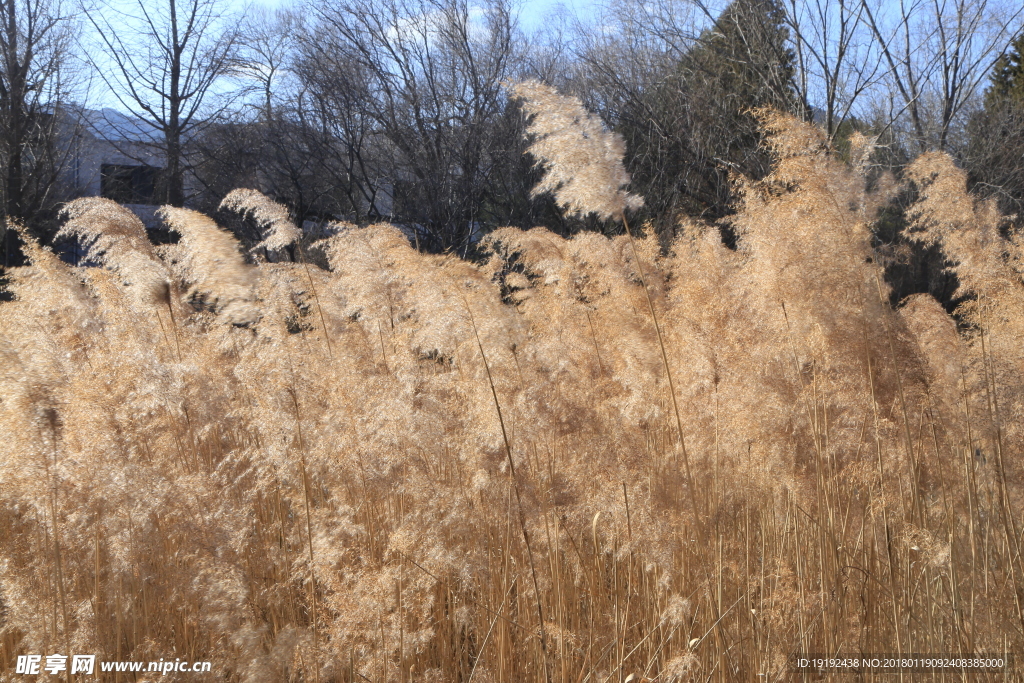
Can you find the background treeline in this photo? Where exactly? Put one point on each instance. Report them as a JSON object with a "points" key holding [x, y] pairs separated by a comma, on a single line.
{"points": [[396, 111]]}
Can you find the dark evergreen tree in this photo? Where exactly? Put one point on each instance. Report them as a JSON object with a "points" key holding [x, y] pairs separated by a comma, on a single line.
{"points": [[995, 148], [1008, 76], [686, 134]]}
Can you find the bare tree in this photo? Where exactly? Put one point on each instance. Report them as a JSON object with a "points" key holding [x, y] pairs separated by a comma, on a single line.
{"points": [[298, 131], [837, 63], [260, 142], [166, 57], [418, 82], [265, 55], [35, 51], [937, 54]]}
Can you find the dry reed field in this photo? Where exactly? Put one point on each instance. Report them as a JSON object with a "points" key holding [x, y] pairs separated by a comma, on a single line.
{"points": [[578, 461]]}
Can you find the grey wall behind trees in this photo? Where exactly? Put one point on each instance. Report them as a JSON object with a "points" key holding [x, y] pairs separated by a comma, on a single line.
{"points": [[395, 110]]}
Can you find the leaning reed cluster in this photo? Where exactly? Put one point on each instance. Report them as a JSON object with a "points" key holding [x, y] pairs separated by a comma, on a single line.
{"points": [[411, 467]]}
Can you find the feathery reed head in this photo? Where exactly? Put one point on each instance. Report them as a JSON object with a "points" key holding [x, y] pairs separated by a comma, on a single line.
{"points": [[583, 159], [100, 219], [278, 230], [115, 237], [212, 263]]}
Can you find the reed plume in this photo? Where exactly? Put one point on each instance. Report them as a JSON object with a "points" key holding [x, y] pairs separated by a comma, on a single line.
{"points": [[582, 158], [211, 263], [278, 230], [115, 237]]}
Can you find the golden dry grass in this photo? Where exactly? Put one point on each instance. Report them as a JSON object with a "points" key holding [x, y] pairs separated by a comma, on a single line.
{"points": [[410, 467]]}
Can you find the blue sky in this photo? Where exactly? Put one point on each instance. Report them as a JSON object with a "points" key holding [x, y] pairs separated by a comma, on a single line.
{"points": [[533, 11]]}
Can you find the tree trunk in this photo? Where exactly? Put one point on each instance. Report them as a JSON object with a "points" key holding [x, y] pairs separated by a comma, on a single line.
{"points": [[15, 100], [174, 185]]}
